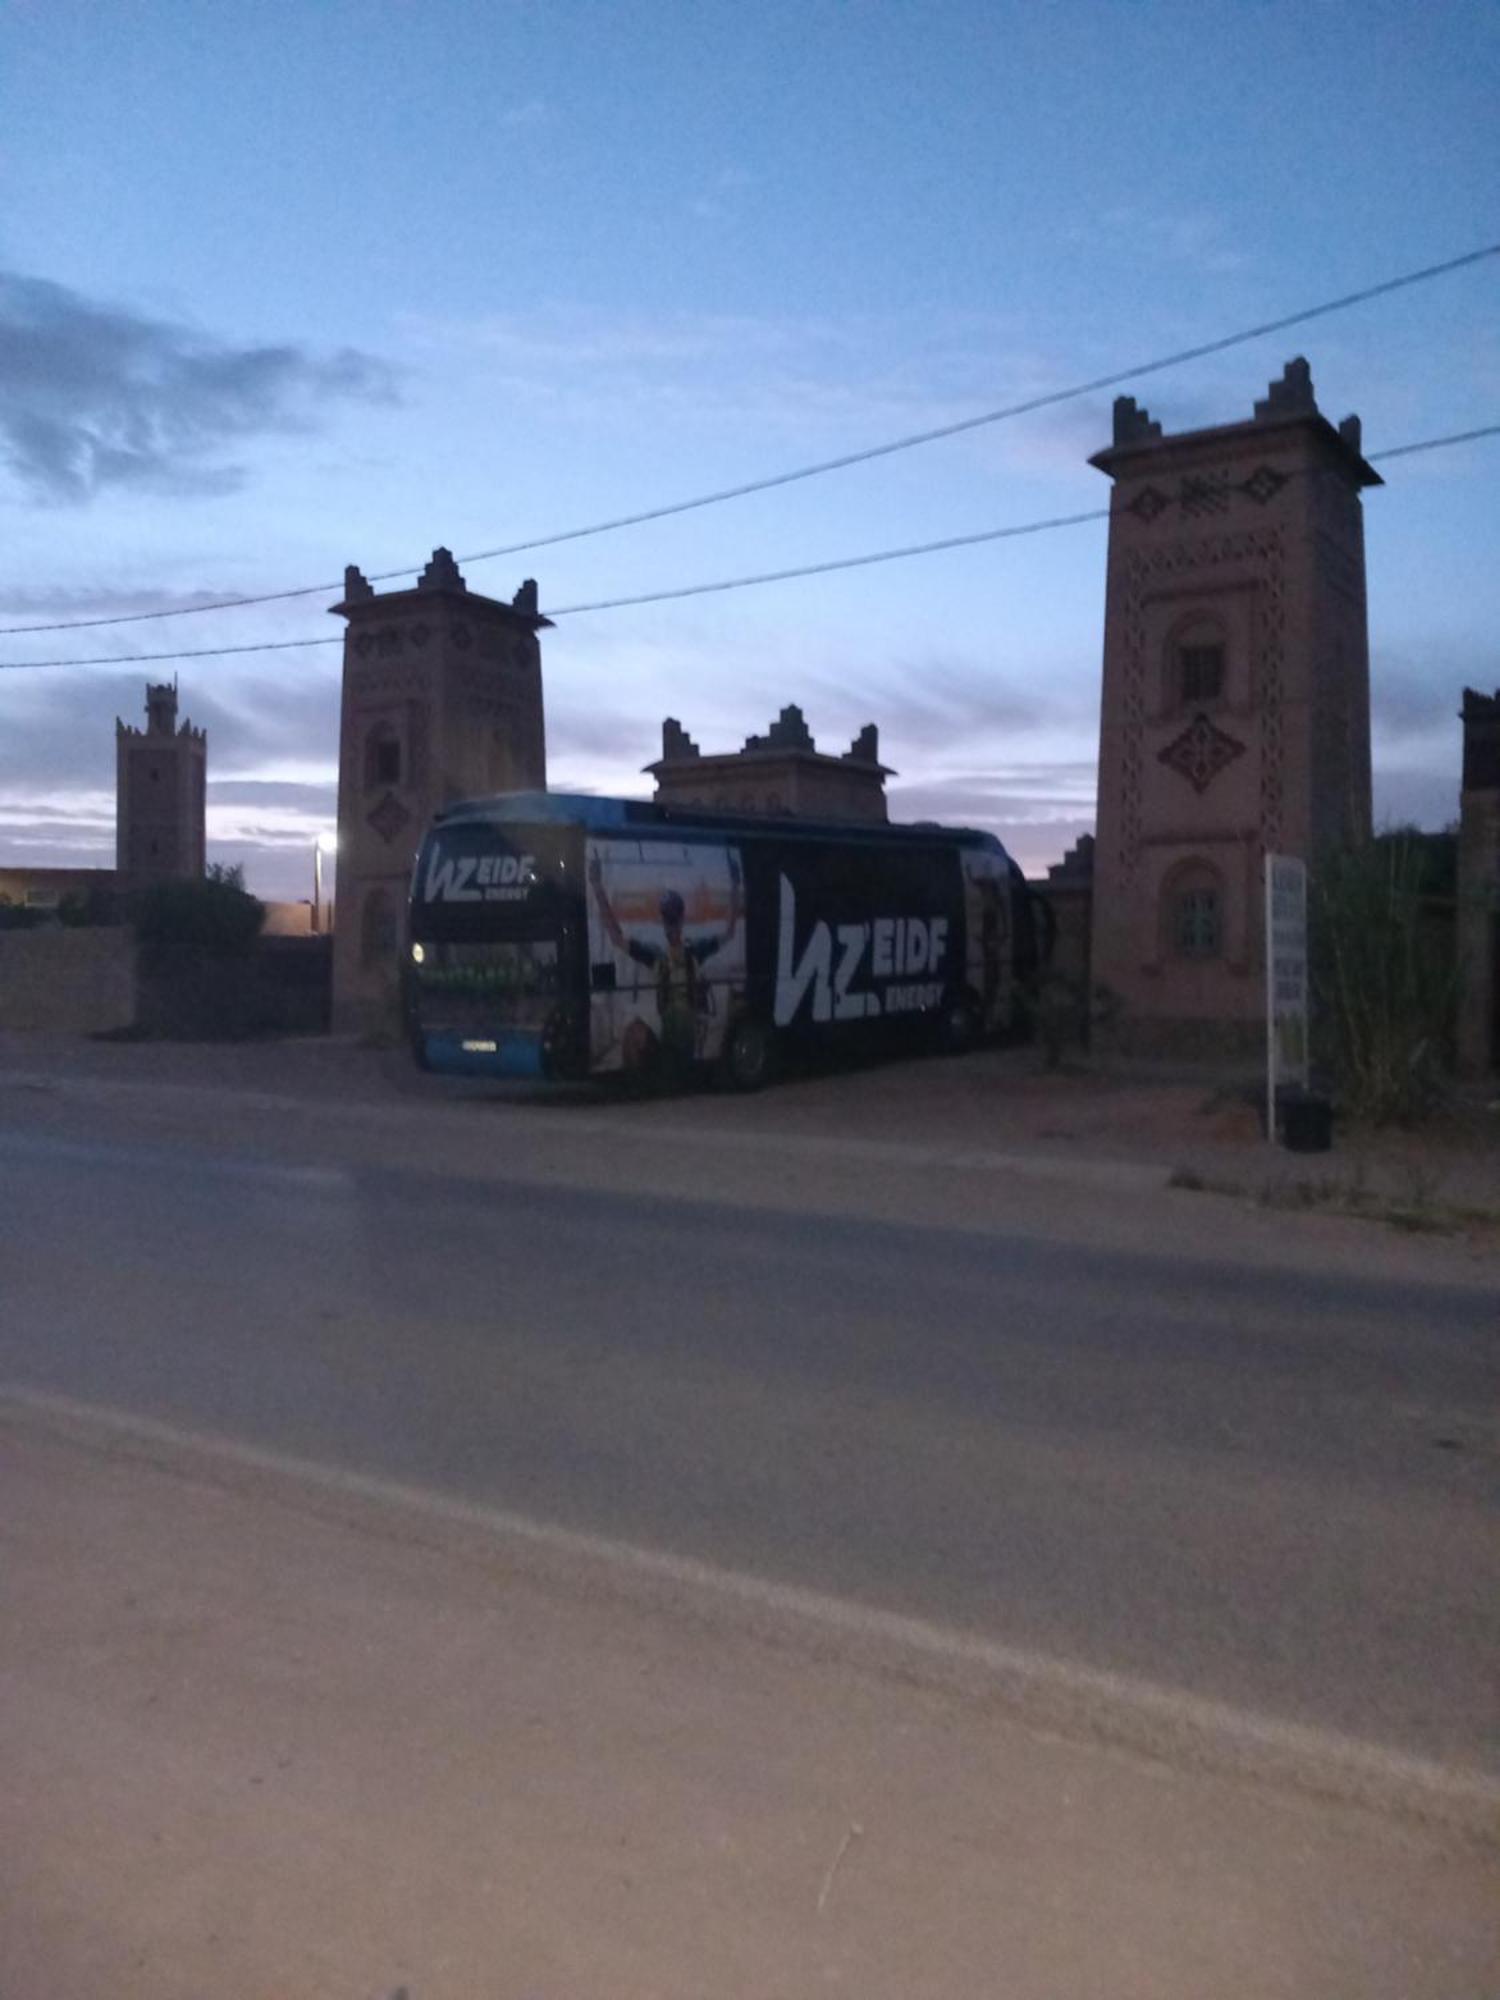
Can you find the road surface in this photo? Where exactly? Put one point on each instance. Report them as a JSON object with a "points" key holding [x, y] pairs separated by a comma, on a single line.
{"points": [[1264, 1488]]}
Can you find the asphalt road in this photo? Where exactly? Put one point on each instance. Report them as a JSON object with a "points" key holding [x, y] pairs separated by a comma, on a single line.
{"points": [[1270, 1489]]}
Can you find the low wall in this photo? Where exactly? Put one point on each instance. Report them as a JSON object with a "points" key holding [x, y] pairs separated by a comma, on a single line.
{"points": [[280, 988], [75, 982]]}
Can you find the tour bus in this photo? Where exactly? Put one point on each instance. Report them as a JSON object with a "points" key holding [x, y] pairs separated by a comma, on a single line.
{"points": [[558, 936]]}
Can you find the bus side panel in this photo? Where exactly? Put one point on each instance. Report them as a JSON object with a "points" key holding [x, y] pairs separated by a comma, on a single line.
{"points": [[666, 938], [852, 945]]}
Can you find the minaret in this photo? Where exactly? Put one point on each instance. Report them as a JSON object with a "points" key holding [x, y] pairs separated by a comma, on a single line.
{"points": [[160, 776], [1235, 716], [442, 700]]}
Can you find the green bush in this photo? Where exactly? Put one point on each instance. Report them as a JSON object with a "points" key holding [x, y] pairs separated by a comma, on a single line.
{"points": [[216, 918], [1384, 986]]}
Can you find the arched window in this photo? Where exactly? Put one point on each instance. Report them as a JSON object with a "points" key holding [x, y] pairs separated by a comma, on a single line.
{"points": [[377, 929], [382, 757], [1193, 912], [1197, 664]]}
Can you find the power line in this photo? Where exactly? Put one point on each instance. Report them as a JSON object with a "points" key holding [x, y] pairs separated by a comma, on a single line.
{"points": [[1048, 400], [1432, 444], [1010, 533], [841, 562]]}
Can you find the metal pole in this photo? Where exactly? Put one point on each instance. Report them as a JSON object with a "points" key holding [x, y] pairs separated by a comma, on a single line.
{"points": [[317, 910]]}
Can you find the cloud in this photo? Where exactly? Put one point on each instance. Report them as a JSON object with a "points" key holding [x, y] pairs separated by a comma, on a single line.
{"points": [[63, 601], [528, 117], [1194, 237], [852, 378], [95, 396]]}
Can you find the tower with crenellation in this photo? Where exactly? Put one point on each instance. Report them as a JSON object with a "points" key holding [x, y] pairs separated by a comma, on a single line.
{"points": [[442, 700], [1235, 713], [160, 795]]}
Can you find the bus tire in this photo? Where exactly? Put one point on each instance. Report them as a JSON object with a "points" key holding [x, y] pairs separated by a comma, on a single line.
{"points": [[749, 1059], [959, 1025]]}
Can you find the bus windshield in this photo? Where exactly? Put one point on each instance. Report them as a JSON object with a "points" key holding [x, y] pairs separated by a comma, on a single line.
{"points": [[502, 983]]}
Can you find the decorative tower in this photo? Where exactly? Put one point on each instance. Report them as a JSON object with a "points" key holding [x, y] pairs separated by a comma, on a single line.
{"points": [[1479, 886], [1236, 702], [442, 700], [160, 774]]}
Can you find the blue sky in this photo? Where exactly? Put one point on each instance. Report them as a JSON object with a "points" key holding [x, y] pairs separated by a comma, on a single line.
{"points": [[287, 286]]}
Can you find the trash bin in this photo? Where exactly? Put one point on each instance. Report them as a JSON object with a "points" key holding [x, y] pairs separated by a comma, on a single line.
{"points": [[1306, 1123]]}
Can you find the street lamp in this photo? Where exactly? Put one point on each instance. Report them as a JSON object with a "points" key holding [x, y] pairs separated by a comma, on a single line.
{"points": [[326, 843]]}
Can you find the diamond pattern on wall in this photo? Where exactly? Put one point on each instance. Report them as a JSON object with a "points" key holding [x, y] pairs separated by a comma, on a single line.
{"points": [[1264, 484], [1147, 504], [1201, 752], [389, 817]]}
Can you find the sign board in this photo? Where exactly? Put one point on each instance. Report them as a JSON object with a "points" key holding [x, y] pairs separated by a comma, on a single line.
{"points": [[1286, 978]]}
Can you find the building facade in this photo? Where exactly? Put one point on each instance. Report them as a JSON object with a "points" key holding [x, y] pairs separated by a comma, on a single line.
{"points": [[781, 772], [1479, 887], [160, 796], [442, 700], [1235, 714]]}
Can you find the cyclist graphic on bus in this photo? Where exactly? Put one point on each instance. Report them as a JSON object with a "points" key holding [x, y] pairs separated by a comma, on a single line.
{"points": [[683, 991]]}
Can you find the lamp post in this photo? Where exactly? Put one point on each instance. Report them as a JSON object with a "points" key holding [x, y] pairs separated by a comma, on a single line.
{"points": [[325, 843]]}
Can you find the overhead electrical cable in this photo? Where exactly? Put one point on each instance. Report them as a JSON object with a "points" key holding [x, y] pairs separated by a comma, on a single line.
{"points": [[866, 561], [1048, 400]]}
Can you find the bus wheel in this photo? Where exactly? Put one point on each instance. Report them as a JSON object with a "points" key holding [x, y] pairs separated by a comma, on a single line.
{"points": [[958, 1025], [749, 1059]]}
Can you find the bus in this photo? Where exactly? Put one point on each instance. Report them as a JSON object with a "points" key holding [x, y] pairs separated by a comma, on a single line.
{"points": [[559, 936]]}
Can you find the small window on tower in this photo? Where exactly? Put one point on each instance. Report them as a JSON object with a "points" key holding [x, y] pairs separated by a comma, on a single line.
{"points": [[382, 756], [1200, 673], [1197, 921]]}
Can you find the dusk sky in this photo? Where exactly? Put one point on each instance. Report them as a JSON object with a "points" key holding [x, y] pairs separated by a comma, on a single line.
{"points": [[289, 286]]}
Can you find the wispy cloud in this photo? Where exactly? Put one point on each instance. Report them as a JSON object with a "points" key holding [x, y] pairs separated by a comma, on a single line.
{"points": [[530, 116], [95, 396], [849, 379], [1191, 236], [715, 200]]}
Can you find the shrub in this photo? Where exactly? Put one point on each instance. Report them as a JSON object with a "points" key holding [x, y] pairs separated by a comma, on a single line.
{"points": [[1383, 991], [215, 918]]}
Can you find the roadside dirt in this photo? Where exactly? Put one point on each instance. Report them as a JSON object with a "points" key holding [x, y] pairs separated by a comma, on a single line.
{"points": [[1200, 1130], [253, 1749]]}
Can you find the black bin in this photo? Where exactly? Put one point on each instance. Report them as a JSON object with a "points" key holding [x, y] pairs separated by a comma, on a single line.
{"points": [[1306, 1123]]}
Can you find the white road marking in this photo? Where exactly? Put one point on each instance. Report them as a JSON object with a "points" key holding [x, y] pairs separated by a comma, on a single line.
{"points": [[1131, 1713]]}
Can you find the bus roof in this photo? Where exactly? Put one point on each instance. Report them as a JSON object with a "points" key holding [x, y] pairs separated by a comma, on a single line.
{"points": [[604, 815]]}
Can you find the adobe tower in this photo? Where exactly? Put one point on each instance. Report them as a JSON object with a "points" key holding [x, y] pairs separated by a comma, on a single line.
{"points": [[442, 700], [1236, 702], [160, 781]]}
